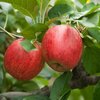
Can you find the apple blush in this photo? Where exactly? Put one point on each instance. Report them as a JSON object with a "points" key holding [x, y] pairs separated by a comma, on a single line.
{"points": [[62, 47], [22, 64]]}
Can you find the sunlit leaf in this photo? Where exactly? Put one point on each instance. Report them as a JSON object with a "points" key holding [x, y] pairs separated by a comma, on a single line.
{"points": [[27, 7]]}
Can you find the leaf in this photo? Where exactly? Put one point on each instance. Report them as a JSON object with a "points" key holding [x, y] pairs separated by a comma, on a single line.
{"points": [[43, 8], [87, 9], [2, 37], [96, 95], [41, 81], [27, 7], [27, 45], [91, 59], [86, 23], [94, 18], [83, 1], [65, 96], [31, 31], [95, 33], [1, 76], [86, 92], [76, 95], [90, 7], [91, 20], [69, 2], [59, 10], [26, 85], [36, 97], [60, 87], [88, 42], [43, 4]]}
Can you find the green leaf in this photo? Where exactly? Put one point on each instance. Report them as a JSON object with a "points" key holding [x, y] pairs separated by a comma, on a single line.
{"points": [[41, 81], [27, 7], [43, 8], [94, 18], [65, 96], [90, 7], [36, 97], [87, 9], [88, 42], [1, 76], [91, 59], [86, 92], [95, 33], [83, 1], [76, 95], [69, 2], [43, 4], [31, 31], [96, 95], [26, 86], [60, 87], [2, 37], [86, 23], [27, 45], [59, 10]]}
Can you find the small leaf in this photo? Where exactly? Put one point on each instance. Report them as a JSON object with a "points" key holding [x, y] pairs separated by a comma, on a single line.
{"points": [[41, 81], [69, 2], [31, 31], [59, 10], [61, 86], [96, 95], [91, 59], [26, 86], [27, 45], [27, 7], [95, 33], [83, 1]]}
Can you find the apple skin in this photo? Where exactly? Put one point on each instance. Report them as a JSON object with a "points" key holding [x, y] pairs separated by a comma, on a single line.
{"points": [[21, 64], [62, 47]]}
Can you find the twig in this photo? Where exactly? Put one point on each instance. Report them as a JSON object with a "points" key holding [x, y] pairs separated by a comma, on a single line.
{"points": [[79, 80], [42, 91], [7, 32]]}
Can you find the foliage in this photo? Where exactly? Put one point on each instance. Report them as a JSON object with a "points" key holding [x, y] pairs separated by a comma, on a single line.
{"points": [[31, 19]]}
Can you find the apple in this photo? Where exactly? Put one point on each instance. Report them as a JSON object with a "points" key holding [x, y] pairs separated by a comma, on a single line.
{"points": [[62, 47], [22, 64]]}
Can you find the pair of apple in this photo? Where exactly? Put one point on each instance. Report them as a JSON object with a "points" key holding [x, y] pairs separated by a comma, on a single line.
{"points": [[61, 48]]}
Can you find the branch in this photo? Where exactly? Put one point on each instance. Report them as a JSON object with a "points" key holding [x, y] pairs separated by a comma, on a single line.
{"points": [[80, 79], [84, 82], [43, 91]]}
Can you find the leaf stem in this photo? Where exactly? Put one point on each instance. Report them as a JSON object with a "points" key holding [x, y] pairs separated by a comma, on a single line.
{"points": [[6, 21], [7, 32]]}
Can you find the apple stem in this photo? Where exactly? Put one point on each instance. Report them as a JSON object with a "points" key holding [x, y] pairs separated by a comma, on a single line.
{"points": [[36, 44]]}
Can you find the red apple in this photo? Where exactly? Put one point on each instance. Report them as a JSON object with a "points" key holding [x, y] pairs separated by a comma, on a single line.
{"points": [[21, 64], [62, 47]]}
